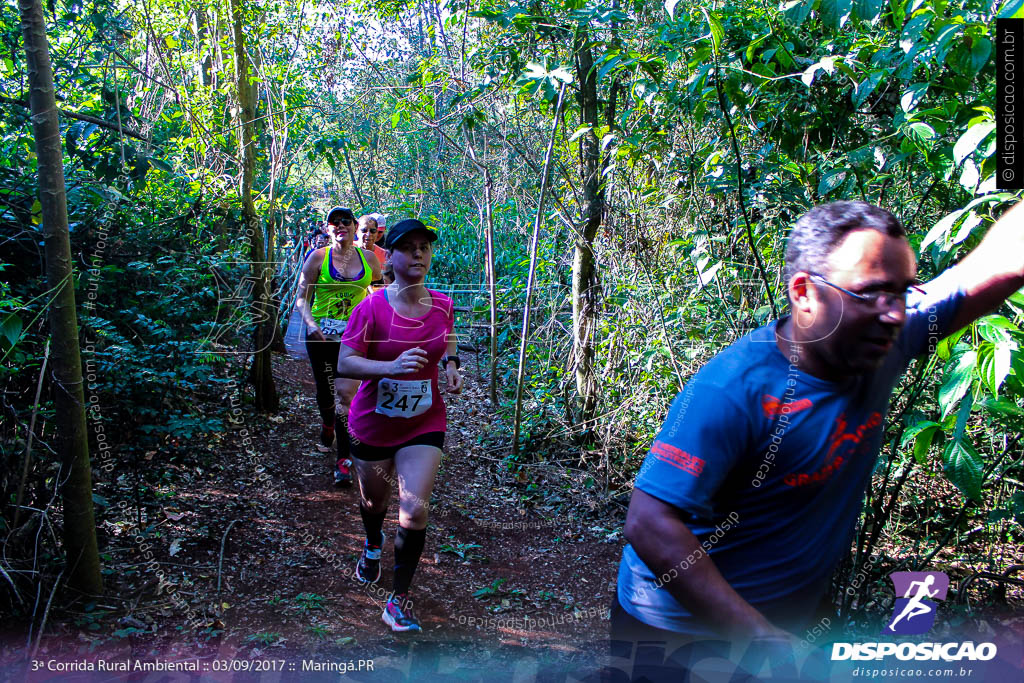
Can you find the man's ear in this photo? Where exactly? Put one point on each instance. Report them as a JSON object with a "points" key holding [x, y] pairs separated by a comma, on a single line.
{"points": [[800, 297]]}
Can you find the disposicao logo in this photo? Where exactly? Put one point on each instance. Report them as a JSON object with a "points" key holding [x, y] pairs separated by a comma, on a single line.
{"points": [[913, 614]]}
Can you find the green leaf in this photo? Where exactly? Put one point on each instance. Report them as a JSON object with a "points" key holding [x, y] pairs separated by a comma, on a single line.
{"points": [[964, 467], [921, 131], [610, 63], [999, 515], [970, 140], [923, 443], [946, 347], [997, 329], [868, 10], [717, 32], [580, 132], [561, 74], [1012, 9], [797, 11], [922, 434], [831, 180], [916, 429], [912, 96], [161, 164], [1003, 358], [981, 48], [962, 416], [972, 220], [1003, 406], [912, 31], [670, 7], [11, 328], [835, 13], [957, 381], [942, 229], [866, 87]]}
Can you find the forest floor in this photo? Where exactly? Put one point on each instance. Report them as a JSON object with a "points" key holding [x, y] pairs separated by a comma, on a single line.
{"points": [[250, 564]]}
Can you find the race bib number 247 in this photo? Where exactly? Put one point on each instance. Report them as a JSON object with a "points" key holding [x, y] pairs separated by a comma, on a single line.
{"points": [[403, 398]]}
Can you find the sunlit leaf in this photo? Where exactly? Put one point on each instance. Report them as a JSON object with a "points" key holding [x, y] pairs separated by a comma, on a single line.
{"points": [[964, 467]]}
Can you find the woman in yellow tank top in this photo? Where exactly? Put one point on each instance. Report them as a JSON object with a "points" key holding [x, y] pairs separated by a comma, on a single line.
{"points": [[334, 279]]}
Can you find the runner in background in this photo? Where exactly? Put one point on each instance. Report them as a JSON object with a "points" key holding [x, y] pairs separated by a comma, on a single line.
{"points": [[394, 341], [382, 220], [334, 279], [382, 226], [366, 238], [317, 239]]}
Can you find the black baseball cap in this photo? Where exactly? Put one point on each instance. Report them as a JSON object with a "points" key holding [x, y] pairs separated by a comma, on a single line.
{"points": [[402, 228], [343, 210]]}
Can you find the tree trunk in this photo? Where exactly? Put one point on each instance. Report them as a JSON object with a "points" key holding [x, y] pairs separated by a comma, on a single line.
{"points": [[203, 39], [492, 376], [534, 242], [585, 288], [265, 312], [83, 560]]}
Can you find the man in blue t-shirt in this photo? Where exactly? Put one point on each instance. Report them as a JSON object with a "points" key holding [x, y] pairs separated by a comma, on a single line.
{"points": [[749, 495]]}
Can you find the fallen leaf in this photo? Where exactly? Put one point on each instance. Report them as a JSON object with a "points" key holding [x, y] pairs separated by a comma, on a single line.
{"points": [[175, 547]]}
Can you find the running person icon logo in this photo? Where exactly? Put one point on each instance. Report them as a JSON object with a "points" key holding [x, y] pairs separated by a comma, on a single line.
{"points": [[914, 613]]}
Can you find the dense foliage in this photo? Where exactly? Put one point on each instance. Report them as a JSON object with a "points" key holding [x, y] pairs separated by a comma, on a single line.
{"points": [[697, 133]]}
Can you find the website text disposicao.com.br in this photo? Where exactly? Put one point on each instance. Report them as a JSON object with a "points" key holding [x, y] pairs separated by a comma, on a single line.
{"points": [[912, 673], [946, 655]]}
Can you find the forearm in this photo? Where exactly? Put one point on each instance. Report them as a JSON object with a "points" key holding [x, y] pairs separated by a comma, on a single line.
{"points": [[674, 554], [302, 305], [997, 264], [357, 367]]}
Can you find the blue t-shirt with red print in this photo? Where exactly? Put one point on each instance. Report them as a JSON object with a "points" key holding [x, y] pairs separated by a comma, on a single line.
{"points": [[768, 466]]}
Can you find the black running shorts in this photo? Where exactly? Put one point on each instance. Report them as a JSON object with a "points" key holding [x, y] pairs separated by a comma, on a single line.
{"points": [[363, 451]]}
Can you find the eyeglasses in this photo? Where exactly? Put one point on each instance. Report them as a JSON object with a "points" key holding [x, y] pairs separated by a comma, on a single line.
{"points": [[878, 298]]}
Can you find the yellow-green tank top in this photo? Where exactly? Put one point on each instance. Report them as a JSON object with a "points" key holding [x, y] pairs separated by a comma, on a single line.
{"points": [[336, 298]]}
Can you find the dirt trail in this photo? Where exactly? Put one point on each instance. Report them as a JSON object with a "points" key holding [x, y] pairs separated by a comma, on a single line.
{"points": [[515, 580]]}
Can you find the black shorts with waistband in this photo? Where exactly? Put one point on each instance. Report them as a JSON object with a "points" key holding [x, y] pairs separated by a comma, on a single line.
{"points": [[364, 451]]}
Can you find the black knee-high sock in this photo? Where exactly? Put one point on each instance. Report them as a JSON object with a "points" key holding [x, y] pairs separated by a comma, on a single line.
{"points": [[408, 548], [373, 523]]}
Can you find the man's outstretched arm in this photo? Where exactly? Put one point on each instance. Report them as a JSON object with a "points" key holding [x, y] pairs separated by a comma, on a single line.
{"points": [[664, 542], [994, 270]]}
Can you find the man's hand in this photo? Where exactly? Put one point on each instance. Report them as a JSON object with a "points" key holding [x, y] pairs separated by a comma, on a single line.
{"points": [[316, 334]]}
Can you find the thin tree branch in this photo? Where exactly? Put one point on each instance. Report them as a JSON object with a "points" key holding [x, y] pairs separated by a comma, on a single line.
{"points": [[130, 132]]}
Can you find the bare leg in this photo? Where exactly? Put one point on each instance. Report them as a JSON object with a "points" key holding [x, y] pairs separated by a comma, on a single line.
{"points": [[374, 479], [417, 468]]}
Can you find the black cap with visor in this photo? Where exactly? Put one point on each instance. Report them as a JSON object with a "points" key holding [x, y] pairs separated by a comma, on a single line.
{"points": [[342, 211], [403, 228]]}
